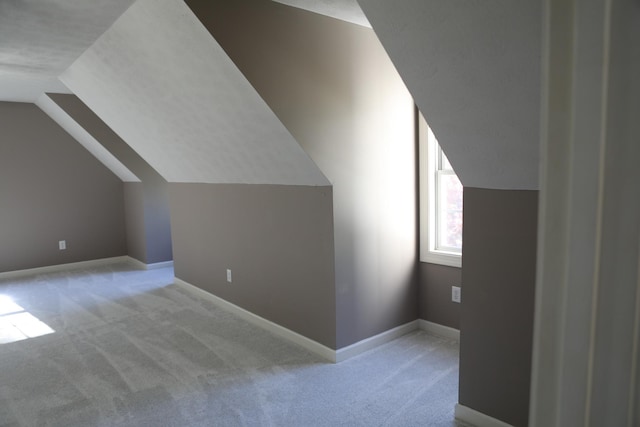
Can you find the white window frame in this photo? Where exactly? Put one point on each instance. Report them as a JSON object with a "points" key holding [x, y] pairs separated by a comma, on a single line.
{"points": [[429, 160]]}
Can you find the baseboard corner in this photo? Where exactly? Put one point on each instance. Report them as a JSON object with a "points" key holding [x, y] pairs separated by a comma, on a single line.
{"points": [[439, 330], [474, 418], [370, 343], [142, 266], [314, 347], [161, 264]]}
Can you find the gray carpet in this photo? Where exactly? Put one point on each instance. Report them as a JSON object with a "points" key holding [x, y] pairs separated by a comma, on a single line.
{"points": [[132, 349]]}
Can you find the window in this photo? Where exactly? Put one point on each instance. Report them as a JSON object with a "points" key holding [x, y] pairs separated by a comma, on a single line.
{"points": [[440, 204]]}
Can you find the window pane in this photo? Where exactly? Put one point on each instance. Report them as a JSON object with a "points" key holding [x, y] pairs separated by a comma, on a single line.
{"points": [[449, 218]]}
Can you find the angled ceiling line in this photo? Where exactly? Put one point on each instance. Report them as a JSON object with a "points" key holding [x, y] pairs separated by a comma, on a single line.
{"points": [[84, 138], [190, 113]]}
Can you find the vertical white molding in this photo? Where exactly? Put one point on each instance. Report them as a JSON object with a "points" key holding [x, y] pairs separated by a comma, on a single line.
{"points": [[587, 320], [553, 211], [602, 145], [634, 387]]}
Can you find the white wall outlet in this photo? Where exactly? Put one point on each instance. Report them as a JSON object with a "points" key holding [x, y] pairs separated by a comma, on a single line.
{"points": [[229, 275], [62, 245], [456, 294]]}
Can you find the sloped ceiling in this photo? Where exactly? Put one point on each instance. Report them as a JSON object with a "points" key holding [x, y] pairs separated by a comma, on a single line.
{"points": [[39, 39], [79, 113], [80, 134], [163, 84], [345, 10], [473, 68]]}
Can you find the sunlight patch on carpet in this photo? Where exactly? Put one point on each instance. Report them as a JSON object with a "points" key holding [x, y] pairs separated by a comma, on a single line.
{"points": [[16, 324]]}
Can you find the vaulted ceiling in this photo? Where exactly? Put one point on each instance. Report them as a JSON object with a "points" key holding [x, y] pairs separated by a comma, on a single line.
{"points": [[346, 10], [472, 68], [39, 39], [161, 81]]}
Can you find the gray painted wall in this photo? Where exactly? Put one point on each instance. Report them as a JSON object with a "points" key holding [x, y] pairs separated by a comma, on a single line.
{"points": [[474, 70], [52, 189], [434, 294], [335, 89], [278, 242], [134, 220], [496, 314], [146, 205], [157, 223]]}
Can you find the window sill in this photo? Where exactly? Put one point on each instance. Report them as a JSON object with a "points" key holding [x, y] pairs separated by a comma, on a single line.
{"points": [[442, 258]]}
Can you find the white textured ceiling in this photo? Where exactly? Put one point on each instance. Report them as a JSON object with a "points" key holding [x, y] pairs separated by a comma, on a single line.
{"points": [[473, 68], [39, 39], [165, 86], [346, 10]]}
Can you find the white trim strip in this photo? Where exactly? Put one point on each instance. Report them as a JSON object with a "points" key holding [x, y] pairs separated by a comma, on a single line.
{"points": [[137, 263], [470, 416], [63, 267], [374, 341], [634, 385], [602, 174], [157, 265], [141, 265], [434, 257], [335, 356], [294, 337], [439, 330]]}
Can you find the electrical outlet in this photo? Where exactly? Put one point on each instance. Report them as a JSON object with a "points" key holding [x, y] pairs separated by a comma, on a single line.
{"points": [[456, 294], [62, 245], [229, 275]]}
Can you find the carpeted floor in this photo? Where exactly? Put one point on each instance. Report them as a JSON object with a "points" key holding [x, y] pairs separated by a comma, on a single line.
{"points": [[114, 346]]}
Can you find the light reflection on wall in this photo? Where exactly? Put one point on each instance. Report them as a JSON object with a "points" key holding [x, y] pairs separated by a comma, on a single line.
{"points": [[16, 324]]}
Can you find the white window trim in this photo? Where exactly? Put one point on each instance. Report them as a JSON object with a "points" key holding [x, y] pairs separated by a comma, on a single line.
{"points": [[428, 166]]}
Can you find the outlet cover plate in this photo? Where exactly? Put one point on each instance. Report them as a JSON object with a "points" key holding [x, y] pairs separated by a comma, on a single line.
{"points": [[456, 294]]}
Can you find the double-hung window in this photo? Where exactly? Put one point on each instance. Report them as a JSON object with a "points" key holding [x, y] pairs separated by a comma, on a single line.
{"points": [[440, 204]]}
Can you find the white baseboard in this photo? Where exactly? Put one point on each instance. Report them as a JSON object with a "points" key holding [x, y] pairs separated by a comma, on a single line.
{"points": [[141, 265], [63, 267], [294, 337], [440, 330], [335, 356], [157, 265], [313, 346], [472, 417], [375, 341]]}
